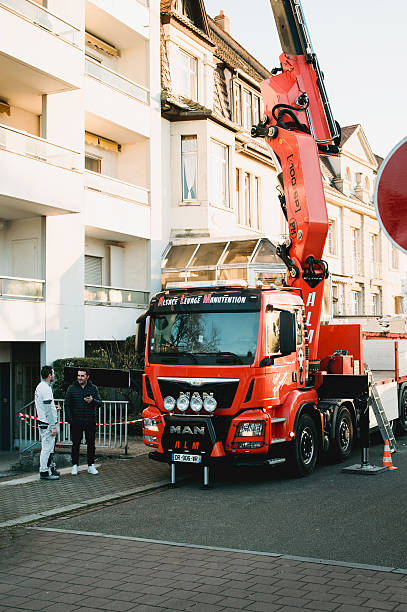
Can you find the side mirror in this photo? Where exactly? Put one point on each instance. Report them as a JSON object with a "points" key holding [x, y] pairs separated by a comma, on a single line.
{"points": [[141, 334], [288, 340]]}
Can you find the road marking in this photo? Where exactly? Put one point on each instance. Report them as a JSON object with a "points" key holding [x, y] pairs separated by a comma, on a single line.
{"points": [[363, 566]]}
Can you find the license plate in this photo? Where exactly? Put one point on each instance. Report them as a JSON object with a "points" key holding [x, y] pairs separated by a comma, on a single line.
{"points": [[184, 458]]}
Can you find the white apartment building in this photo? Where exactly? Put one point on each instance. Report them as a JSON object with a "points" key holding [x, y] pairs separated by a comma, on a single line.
{"points": [[80, 181]]}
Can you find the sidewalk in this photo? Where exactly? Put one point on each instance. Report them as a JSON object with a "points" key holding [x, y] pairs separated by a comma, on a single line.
{"points": [[62, 571], [31, 499]]}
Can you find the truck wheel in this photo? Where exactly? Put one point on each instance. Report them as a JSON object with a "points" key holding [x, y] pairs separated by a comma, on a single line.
{"points": [[403, 411], [305, 447], [344, 435]]}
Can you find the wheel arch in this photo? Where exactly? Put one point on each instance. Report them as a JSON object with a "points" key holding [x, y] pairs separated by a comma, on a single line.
{"points": [[312, 410]]}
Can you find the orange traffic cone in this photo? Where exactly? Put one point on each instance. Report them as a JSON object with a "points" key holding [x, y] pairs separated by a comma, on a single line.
{"points": [[387, 462]]}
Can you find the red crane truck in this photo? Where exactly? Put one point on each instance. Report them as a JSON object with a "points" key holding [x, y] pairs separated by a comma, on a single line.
{"points": [[247, 373]]}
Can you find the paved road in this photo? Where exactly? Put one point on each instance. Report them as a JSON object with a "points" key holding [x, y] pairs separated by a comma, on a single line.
{"points": [[330, 515]]}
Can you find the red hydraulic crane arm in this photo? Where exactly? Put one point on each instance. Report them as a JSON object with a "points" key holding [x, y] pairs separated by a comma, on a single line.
{"points": [[297, 125]]}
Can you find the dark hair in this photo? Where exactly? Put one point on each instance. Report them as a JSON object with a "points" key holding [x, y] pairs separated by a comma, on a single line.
{"points": [[46, 371], [86, 370]]}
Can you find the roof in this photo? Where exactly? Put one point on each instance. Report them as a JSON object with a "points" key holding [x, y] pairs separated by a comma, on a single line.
{"points": [[347, 132], [234, 55]]}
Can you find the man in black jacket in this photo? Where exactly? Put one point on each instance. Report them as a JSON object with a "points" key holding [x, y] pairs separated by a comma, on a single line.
{"points": [[81, 401]]}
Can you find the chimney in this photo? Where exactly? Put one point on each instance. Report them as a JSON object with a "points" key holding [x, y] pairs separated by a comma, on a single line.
{"points": [[223, 22]]}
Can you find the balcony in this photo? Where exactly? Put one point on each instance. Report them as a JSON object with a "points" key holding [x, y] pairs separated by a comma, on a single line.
{"points": [[116, 81], [122, 19], [116, 206], [102, 322], [38, 47], [118, 101], [38, 177], [22, 309]]}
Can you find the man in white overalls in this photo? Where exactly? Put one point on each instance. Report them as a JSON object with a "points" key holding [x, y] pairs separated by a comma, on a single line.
{"points": [[47, 423]]}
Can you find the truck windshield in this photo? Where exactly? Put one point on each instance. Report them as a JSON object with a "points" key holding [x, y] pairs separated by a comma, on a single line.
{"points": [[204, 338]]}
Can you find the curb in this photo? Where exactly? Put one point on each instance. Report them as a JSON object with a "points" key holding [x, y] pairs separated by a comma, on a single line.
{"points": [[361, 566]]}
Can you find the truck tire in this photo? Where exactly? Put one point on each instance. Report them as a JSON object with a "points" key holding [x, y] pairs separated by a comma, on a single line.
{"points": [[342, 442], [304, 451], [403, 411]]}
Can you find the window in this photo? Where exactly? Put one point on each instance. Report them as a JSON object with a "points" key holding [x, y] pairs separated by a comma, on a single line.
{"points": [[394, 258], [257, 202], [250, 202], [238, 104], [247, 199], [189, 167], [219, 184], [247, 109], [256, 109], [356, 263], [188, 76], [184, 8], [376, 304], [238, 194], [93, 163], [398, 304], [374, 256], [332, 238], [357, 303], [298, 327], [273, 332], [338, 299], [93, 270]]}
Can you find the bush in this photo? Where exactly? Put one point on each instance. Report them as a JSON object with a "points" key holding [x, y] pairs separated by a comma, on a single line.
{"points": [[74, 362]]}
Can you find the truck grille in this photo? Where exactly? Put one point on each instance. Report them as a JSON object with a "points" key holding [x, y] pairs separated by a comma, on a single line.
{"points": [[224, 392]]}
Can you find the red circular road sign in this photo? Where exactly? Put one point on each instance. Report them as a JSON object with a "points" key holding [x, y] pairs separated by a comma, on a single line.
{"points": [[391, 195]]}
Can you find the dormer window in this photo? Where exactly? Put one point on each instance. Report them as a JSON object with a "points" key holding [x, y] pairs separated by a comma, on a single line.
{"points": [[183, 7], [247, 106], [187, 75]]}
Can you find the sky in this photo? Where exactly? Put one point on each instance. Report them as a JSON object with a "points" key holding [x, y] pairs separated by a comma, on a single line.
{"points": [[361, 49]]}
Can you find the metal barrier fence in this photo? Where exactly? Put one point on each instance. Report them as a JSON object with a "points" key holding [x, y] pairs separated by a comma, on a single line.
{"points": [[111, 429]]}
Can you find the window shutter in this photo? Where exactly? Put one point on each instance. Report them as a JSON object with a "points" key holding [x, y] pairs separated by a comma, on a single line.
{"points": [[93, 270]]}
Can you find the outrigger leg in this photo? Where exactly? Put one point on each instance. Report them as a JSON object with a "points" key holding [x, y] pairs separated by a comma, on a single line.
{"points": [[173, 482], [205, 484]]}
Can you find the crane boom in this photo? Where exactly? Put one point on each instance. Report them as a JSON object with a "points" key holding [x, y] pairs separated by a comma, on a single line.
{"points": [[298, 124]]}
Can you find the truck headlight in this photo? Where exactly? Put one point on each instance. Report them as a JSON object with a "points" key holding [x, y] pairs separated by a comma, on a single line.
{"points": [[210, 403], [251, 428], [183, 402], [169, 403], [196, 402]]}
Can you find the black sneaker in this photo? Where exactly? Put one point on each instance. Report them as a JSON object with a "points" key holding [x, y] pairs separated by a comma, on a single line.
{"points": [[48, 476], [55, 472]]}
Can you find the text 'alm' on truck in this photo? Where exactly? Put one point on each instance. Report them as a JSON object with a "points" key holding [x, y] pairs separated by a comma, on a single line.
{"points": [[247, 373]]}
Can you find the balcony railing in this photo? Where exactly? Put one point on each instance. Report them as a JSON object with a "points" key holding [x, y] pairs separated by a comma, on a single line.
{"points": [[45, 19], [21, 288], [111, 296], [28, 145], [116, 80], [116, 188]]}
